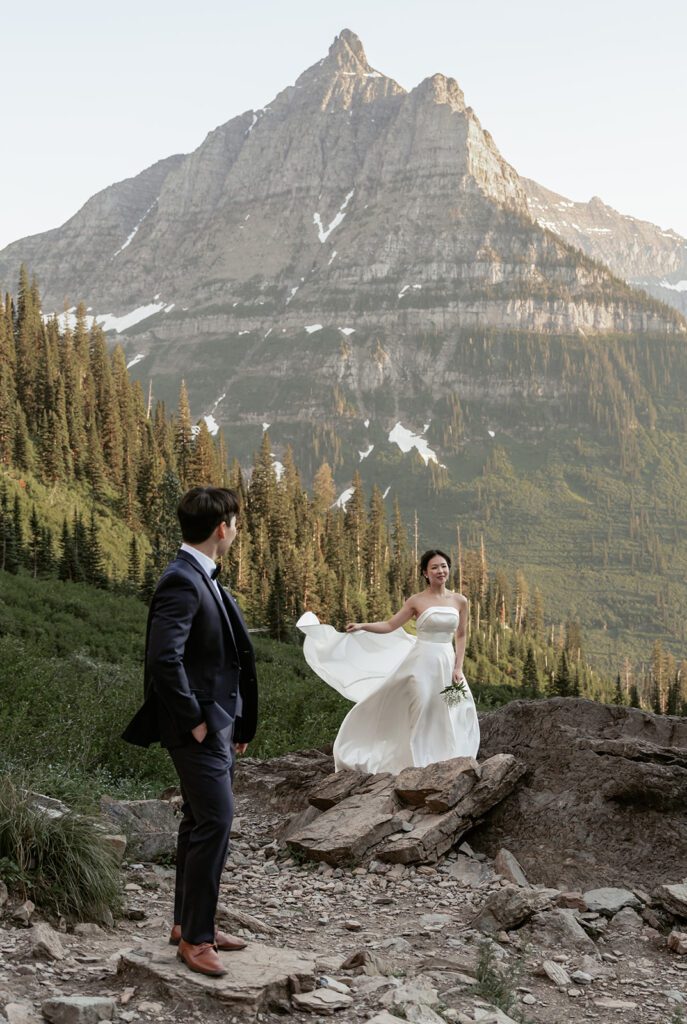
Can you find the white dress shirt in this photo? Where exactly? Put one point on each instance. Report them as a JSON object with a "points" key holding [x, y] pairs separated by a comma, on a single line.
{"points": [[205, 562]]}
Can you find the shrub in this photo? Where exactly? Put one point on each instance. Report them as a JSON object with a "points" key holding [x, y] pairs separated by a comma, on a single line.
{"points": [[496, 982]]}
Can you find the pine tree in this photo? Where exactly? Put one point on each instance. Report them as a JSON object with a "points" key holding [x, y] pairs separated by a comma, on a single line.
{"points": [[10, 542], [535, 618], [79, 539], [575, 685], [618, 695], [29, 344], [354, 530], [202, 469], [46, 553], [183, 438], [33, 545], [133, 572], [277, 614], [656, 701], [674, 702], [95, 463], [66, 568], [24, 455], [634, 697], [561, 679], [323, 491], [530, 675], [74, 406], [8, 402], [93, 560], [377, 559], [168, 523], [262, 488]]}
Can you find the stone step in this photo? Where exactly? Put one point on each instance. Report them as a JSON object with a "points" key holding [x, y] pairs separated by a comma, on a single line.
{"points": [[260, 978]]}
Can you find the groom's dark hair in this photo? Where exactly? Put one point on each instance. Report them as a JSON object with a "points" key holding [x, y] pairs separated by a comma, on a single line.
{"points": [[202, 509]]}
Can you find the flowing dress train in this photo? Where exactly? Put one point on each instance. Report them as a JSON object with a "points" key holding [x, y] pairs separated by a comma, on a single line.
{"points": [[399, 719]]}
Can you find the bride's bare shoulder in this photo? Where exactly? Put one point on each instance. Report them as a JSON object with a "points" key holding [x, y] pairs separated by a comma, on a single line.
{"points": [[417, 602], [461, 600]]}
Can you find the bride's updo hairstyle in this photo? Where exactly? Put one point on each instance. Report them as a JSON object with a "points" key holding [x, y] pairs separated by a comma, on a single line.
{"points": [[429, 555]]}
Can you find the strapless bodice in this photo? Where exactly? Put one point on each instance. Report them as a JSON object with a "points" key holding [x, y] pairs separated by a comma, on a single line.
{"points": [[436, 624]]}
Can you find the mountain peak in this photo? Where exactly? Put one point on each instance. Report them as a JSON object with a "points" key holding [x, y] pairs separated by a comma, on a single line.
{"points": [[348, 49], [343, 78], [440, 89]]}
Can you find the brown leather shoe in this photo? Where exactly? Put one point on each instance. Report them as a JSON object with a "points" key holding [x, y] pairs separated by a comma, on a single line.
{"points": [[202, 959], [227, 942], [224, 941]]}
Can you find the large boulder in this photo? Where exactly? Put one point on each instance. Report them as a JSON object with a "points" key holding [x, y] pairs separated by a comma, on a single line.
{"points": [[604, 802], [439, 786], [283, 783], [346, 832], [150, 826]]}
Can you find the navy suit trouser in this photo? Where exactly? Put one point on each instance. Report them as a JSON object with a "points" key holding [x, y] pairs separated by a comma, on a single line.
{"points": [[205, 773]]}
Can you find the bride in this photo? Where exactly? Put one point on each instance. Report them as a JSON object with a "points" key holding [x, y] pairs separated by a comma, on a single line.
{"points": [[400, 718]]}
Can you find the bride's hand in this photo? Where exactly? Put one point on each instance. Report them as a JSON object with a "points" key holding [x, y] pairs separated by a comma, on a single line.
{"points": [[457, 675], [354, 627]]}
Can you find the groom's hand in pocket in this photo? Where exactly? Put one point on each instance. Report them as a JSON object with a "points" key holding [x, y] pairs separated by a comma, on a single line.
{"points": [[200, 731]]}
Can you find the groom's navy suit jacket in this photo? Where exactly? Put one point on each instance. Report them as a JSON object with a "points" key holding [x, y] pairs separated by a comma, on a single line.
{"points": [[199, 663]]}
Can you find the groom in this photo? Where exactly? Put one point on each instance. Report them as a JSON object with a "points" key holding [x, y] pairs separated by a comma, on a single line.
{"points": [[200, 703]]}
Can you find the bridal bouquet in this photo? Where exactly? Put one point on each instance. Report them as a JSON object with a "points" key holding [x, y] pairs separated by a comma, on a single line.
{"points": [[455, 693]]}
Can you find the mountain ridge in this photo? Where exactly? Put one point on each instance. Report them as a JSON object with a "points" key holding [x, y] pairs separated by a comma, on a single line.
{"points": [[643, 254]]}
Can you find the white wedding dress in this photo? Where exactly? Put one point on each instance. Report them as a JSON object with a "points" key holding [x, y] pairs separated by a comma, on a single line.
{"points": [[395, 679]]}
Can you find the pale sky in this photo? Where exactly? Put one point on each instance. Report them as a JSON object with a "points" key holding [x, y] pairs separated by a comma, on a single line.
{"points": [[587, 98]]}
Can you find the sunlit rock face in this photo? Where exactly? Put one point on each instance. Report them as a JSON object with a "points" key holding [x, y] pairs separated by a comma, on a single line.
{"points": [[345, 196]]}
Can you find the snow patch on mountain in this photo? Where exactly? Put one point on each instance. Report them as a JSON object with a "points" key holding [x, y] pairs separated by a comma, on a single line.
{"points": [[407, 440], [109, 322], [324, 233], [344, 498], [136, 227]]}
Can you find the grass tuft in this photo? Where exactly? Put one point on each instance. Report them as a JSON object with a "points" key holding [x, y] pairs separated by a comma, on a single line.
{"points": [[62, 862]]}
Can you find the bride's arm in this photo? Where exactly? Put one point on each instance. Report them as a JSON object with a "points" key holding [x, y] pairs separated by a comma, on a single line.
{"points": [[399, 619], [461, 638]]}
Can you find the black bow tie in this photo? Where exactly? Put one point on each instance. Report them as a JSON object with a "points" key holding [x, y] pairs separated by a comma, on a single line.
{"points": [[215, 573]]}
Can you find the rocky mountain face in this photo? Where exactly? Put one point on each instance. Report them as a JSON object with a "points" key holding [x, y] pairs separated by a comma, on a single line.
{"points": [[642, 254], [345, 196], [68, 258]]}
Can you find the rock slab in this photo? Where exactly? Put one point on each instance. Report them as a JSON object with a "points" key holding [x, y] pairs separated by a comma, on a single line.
{"points": [[261, 976], [438, 786], [673, 898], [348, 830], [78, 1009]]}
